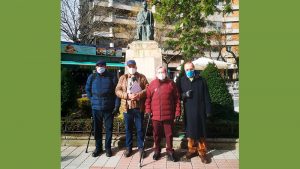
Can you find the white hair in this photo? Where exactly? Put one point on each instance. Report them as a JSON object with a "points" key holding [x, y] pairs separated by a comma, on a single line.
{"points": [[161, 67]]}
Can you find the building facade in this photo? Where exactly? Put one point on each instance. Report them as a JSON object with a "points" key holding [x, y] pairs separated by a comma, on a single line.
{"points": [[113, 23]]}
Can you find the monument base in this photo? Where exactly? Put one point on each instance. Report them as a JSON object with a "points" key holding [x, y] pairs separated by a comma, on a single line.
{"points": [[147, 55]]}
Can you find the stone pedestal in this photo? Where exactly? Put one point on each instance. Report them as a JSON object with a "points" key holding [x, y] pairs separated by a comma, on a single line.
{"points": [[147, 55]]}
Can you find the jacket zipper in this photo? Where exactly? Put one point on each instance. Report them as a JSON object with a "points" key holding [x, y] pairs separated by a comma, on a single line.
{"points": [[159, 100]]}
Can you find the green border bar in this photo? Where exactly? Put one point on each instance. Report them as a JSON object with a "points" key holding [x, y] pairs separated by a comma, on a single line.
{"points": [[30, 84], [269, 84]]}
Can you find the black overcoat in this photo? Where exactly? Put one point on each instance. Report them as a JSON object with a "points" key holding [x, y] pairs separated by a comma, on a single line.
{"points": [[197, 107]]}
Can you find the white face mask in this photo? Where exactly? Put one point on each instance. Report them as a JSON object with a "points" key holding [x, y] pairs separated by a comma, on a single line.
{"points": [[161, 76], [132, 70], [100, 69]]}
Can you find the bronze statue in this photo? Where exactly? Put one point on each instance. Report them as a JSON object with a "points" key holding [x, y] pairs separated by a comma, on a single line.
{"points": [[145, 24]]}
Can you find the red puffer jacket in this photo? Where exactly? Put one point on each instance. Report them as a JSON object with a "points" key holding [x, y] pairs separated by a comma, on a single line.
{"points": [[163, 100]]}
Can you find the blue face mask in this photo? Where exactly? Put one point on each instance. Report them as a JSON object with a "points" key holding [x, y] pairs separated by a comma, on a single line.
{"points": [[190, 73]]}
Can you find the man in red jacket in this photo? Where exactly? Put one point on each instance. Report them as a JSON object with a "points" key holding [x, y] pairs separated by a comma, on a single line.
{"points": [[163, 104]]}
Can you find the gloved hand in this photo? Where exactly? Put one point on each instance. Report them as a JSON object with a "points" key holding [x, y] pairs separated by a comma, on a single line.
{"points": [[177, 118], [208, 115], [116, 111], [187, 94], [149, 114]]}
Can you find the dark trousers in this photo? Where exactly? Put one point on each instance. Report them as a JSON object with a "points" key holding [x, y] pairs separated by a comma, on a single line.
{"points": [[134, 116], [158, 127], [108, 117]]}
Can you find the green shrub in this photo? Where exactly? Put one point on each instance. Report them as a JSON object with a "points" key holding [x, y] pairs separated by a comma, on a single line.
{"points": [[68, 92], [84, 107], [221, 100], [71, 125]]}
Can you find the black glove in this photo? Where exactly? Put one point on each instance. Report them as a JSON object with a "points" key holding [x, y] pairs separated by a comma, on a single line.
{"points": [[187, 94], [208, 115], [177, 119], [116, 111], [149, 114]]}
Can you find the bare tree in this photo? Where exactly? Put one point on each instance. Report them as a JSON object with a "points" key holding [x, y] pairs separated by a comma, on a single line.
{"points": [[77, 22], [69, 24], [220, 38]]}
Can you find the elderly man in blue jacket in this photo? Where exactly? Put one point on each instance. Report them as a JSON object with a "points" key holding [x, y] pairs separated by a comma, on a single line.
{"points": [[100, 89]]}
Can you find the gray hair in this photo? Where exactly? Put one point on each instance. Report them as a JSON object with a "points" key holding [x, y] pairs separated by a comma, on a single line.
{"points": [[161, 67]]}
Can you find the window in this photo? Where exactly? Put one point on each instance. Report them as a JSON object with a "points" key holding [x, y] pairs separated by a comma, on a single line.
{"points": [[228, 37], [228, 25], [228, 48]]}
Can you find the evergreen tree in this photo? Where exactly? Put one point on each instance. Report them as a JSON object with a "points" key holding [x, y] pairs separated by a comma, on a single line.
{"points": [[222, 102]]}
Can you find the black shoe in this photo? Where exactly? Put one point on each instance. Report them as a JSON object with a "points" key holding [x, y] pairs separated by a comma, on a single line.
{"points": [[108, 152], [127, 152], [156, 155], [97, 152], [172, 157]]}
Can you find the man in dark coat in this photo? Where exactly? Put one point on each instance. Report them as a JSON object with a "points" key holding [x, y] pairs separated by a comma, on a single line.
{"points": [[197, 106], [100, 89]]}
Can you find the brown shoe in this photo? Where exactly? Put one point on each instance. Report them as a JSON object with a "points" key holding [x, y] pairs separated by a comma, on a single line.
{"points": [[190, 155], [204, 158]]}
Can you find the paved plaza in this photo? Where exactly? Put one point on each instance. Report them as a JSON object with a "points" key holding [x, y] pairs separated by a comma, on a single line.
{"points": [[75, 157]]}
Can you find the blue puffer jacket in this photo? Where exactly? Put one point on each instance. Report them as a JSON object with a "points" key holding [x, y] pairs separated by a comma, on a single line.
{"points": [[100, 90]]}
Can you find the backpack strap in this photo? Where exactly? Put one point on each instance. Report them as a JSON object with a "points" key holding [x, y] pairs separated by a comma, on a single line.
{"points": [[91, 83]]}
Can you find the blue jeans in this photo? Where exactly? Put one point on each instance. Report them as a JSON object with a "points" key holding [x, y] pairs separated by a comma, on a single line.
{"points": [[134, 116], [108, 117]]}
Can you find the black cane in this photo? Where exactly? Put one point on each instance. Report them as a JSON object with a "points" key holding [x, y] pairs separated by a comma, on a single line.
{"points": [[141, 157], [87, 146]]}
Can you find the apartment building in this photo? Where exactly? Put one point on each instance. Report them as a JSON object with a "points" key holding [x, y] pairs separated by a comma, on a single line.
{"points": [[116, 20]]}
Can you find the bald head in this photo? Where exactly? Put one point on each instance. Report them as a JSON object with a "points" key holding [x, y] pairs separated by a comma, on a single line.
{"points": [[189, 66]]}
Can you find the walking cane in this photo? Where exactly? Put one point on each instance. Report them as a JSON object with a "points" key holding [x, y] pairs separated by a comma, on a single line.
{"points": [[141, 157], [87, 146]]}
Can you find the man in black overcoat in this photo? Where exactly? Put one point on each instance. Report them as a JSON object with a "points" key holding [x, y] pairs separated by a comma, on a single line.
{"points": [[197, 107]]}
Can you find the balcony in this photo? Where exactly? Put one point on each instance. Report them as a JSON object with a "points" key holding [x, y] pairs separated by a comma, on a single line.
{"points": [[235, 7], [119, 4], [109, 18], [228, 42], [231, 19], [103, 34], [108, 33], [220, 18], [230, 31], [129, 21], [115, 19], [232, 43], [227, 31]]}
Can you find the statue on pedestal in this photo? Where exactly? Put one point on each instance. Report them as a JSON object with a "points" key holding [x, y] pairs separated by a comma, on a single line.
{"points": [[145, 24]]}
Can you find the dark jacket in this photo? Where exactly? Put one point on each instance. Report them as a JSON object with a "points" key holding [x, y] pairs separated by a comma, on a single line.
{"points": [[100, 90], [163, 100], [197, 107]]}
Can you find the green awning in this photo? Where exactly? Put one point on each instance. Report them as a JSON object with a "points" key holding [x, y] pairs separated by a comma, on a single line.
{"points": [[91, 63]]}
